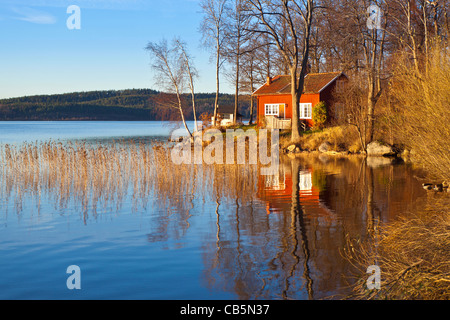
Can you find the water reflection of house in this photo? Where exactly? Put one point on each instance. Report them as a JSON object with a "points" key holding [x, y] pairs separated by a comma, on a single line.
{"points": [[277, 192]]}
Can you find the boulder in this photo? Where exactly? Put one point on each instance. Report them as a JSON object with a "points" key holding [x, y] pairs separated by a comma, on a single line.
{"points": [[325, 147], [376, 148], [427, 186], [291, 148]]}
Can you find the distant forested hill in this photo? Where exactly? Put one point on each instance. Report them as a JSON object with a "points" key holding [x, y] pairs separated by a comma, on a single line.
{"points": [[132, 104]]}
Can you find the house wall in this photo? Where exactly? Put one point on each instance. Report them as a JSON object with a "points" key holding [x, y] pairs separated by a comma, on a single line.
{"points": [[267, 99], [313, 99], [287, 100], [327, 96]]}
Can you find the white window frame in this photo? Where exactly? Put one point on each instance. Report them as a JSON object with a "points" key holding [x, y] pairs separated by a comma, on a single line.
{"points": [[307, 115], [270, 108]]}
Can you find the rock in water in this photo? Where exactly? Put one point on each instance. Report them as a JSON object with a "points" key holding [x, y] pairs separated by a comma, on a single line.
{"points": [[376, 148], [427, 186], [291, 148]]}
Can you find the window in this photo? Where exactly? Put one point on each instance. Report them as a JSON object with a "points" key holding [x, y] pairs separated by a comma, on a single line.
{"points": [[275, 181], [272, 109], [340, 86], [305, 111], [305, 181], [339, 113]]}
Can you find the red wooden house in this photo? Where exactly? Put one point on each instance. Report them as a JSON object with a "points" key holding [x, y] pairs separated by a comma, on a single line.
{"points": [[274, 99]]}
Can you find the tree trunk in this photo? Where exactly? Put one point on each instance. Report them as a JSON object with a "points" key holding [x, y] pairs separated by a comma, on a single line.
{"points": [[216, 101], [251, 94], [236, 94], [250, 122], [295, 135], [182, 115], [299, 85], [372, 82], [180, 46], [425, 27], [194, 113], [370, 112]]}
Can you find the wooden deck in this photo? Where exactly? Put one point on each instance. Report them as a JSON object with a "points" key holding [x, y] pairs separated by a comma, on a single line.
{"points": [[276, 123]]}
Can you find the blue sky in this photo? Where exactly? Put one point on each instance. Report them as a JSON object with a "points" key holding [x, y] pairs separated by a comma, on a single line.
{"points": [[40, 55]]}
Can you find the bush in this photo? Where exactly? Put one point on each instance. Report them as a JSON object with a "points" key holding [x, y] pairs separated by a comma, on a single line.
{"points": [[319, 114], [412, 253], [422, 99], [205, 118]]}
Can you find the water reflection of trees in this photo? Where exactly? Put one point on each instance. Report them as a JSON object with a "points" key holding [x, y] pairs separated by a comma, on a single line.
{"points": [[258, 256], [294, 252], [268, 237]]}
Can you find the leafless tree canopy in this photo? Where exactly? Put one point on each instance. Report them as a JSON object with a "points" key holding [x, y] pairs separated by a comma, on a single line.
{"points": [[213, 31], [254, 39], [173, 72]]}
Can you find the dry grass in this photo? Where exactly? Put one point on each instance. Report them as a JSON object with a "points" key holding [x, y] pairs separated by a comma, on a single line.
{"points": [[340, 138], [413, 255]]}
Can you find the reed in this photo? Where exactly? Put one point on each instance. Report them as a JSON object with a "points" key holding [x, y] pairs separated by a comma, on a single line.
{"points": [[91, 177], [413, 255], [89, 174]]}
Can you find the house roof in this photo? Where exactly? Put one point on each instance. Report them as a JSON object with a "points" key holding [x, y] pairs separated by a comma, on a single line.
{"points": [[229, 109], [314, 83]]}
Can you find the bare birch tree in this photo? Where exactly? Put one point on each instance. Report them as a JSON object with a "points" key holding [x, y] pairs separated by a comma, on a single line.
{"points": [[191, 74], [213, 30], [170, 73], [237, 30]]}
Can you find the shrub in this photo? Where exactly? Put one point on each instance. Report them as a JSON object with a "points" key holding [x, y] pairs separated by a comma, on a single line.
{"points": [[205, 118], [422, 97], [319, 114]]}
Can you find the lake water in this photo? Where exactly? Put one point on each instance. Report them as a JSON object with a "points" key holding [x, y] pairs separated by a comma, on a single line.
{"points": [[219, 232], [31, 131]]}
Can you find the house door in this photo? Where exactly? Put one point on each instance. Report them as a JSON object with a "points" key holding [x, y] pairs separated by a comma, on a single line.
{"points": [[281, 111]]}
